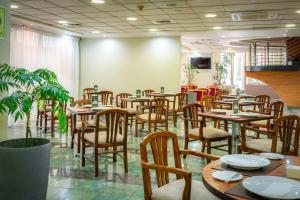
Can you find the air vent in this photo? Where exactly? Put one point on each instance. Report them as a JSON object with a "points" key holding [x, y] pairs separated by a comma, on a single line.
{"points": [[248, 16], [164, 21]]}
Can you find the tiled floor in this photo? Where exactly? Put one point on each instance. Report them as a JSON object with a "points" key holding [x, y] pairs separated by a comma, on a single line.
{"points": [[68, 180]]}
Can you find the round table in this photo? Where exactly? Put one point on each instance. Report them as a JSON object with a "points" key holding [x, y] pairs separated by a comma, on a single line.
{"points": [[218, 188]]}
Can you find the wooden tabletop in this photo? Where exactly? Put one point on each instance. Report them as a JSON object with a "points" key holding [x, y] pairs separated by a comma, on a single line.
{"points": [[232, 118], [142, 99], [156, 94], [243, 96], [218, 188], [242, 103]]}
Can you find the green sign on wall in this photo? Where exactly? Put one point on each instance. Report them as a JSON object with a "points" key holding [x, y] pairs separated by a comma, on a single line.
{"points": [[2, 22]]}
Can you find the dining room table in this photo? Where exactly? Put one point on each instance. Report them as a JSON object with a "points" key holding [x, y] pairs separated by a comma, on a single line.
{"points": [[242, 103], [235, 190], [159, 94], [236, 119], [233, 96]]}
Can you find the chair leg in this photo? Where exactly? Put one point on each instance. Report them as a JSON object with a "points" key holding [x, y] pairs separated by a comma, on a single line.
{"points": [[131, 121], [114, 154], [96, 161], [203, 146], [125, 159], [72, 139], [37, 118], [208, 147], [175, 119], [78, 141], [186, 145], [83, 154], [136, 127], [229, 145], [167, 125], [46, 119], [52, 127], [149, 127], [41, 121]]}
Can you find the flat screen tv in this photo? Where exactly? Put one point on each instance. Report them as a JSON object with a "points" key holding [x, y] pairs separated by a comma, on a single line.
{"points": [[200, 63]]}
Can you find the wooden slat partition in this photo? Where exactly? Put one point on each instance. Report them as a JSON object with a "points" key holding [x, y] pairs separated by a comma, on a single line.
{"points": [[293, 47]]}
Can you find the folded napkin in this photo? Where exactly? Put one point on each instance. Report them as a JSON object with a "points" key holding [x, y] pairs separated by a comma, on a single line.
{"points": [[278, 189]]}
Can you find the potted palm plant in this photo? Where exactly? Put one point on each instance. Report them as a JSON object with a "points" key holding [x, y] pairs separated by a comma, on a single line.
{"points": [[24, 162]]}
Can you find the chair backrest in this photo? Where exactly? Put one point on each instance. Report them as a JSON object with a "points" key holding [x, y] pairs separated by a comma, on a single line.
{"points": [[82, 102], [147, 92], [180, 100], [121, 103], [116, 123], [264, 99], [207, 102], [158, 142], [287, 129], [191, 116], [159, 107], [85, 91], [276, 109], [106, 97]]}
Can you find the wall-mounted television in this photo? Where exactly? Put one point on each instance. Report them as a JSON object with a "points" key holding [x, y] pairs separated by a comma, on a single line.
{"points": [[200, 62]]}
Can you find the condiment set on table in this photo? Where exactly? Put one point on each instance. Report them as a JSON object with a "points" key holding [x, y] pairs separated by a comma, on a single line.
{"points": [[270, 187]]}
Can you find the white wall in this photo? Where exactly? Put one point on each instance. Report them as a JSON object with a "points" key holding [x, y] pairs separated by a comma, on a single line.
{"points": [[205, 76], [4, 58], [128, 64]]}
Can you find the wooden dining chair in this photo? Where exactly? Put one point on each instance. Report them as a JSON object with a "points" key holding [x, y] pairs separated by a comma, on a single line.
{"points": [[163, 144], [179, 101], [106, 97], [147, 92], [265, 99], [275, 109], [157, 114], [114, 137], [207, 102], [43, 107], [124, 105], [284, 140], [86, 91], [195, 129]]}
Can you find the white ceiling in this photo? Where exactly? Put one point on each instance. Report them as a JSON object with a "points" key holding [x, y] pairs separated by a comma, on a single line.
{"points": [[110, 18]]}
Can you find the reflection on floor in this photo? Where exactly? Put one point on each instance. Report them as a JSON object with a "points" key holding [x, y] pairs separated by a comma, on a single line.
{"points": [[68, 180]]}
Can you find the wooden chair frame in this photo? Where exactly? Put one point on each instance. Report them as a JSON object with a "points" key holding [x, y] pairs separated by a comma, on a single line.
{"points": [[106, 97], [179, 101], [116, 123], [158, 142], [124, 105]]}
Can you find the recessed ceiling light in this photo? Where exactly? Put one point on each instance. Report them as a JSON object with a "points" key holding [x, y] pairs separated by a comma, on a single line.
{"points": [[298, 11], [13, 6], [95, 32], [290, 25], [131, 18], [152, 30], [62, 22], [210, 15], [97, 1], [217, 27]]}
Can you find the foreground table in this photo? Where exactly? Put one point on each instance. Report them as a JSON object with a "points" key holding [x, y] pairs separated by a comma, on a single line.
{"points": [[218, 188], [236, 123]]}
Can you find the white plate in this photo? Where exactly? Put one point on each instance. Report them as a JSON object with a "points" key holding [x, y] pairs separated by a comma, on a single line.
{"points": [[245, 161], [227, 176], [272, 156], [249, 114], [273, 187]]}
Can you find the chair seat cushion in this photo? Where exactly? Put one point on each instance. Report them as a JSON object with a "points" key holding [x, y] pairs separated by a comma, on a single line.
{"points": [[261, 123], [131, 111], [91, 123], [265, 145], [209, 132], [145, 117], [101, 137], [174, 191]]}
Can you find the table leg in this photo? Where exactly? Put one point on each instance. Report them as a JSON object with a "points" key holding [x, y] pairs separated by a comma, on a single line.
{"points": [[236, 127]]}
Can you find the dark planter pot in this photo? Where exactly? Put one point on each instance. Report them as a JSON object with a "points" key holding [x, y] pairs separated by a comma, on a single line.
{"points": [[24, 169]]}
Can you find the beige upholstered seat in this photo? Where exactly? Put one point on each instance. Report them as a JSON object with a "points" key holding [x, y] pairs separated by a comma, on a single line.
{"points": [[101, 137], [144, 117], [174, 190], [265, 145], [262, 123], [209, 132], [130, 110]]}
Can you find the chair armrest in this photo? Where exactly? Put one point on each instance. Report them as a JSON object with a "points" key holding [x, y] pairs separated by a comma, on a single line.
{"points": [[200, 154], [173, 170]]}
